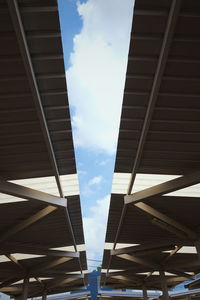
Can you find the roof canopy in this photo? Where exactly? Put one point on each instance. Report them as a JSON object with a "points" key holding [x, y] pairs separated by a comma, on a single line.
{"points": [[41, 231], [153, 231]]}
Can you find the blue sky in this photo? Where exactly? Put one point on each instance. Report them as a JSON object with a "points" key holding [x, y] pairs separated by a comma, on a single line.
{"points": [[95, 37]]}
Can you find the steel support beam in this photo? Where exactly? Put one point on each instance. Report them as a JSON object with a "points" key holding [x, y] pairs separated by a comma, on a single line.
{"points": [[16, 262], [40, 281], [44, 295], [127, 280], [11, 289], [165, 295], [10, 281], [56, 274], [166, 44], [24, 49], [197, 245], [26, 223], [23, 192], [189, 266], [148, 275], [49, 265], [24, 249], [144, 291], [140, 261], [25, 289], [155, 213], [171, 254], [141, 251], [164, 188], [60, 282], [122, 275], [181, 274], [169, 228], [193, 285], [25, 53]]}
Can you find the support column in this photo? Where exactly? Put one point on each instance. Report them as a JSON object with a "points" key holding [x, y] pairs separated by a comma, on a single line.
{"points": [[165, 295], [44, 295], [144, 290], [197, 245], [189, 297], [25, 289]]}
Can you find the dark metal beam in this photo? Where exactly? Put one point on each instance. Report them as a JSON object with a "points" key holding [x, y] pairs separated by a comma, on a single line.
{"points": [[138, 251], [10, 289], [164, 188], [140, 261], [167, 40], [24, 49], [25, 288], [127, 279], [166, 43], [44, 295], [16, 262], [10, 281], [157, 214], [55, 274], [60, 282], [26, 223], [171, 254], [194, 284], [163, 280], [16, 248], [144, 291], [181, 274], [23, 192], [50, 264]]}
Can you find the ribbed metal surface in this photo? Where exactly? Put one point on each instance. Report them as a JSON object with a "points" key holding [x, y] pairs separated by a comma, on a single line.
{"points": [[35, 286], [172, 144], [21, 136], [24, 149], [152, 284], [137, 227], [159, 136]]}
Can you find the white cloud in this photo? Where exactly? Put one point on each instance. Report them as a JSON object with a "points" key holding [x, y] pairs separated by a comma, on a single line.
{"points": [[95, 180], [95, 227], [82, 172], [88, 190], [103, 162], [97, 73]]}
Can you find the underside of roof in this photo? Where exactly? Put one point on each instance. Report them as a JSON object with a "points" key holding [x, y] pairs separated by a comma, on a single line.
{"points": [[41, 230], [154, 230]]}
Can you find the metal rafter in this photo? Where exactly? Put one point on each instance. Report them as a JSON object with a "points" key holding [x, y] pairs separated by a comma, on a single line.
{"points": [[60, 282], [23, 192], [10, 281], [127, 279], [26, 223], [167, 40], [25, 249], [50, 264], [24, 49], [139, 260], [164, 188], [167, 220], [138, 251], [16, 262]]}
